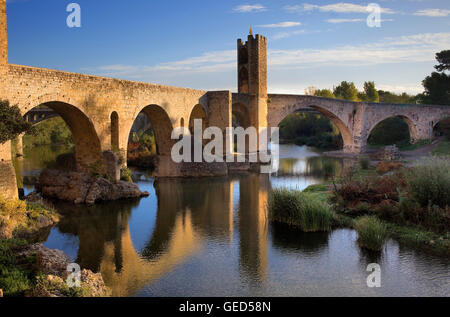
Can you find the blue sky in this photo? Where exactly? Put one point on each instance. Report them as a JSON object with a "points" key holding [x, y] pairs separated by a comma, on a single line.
{"points": [[192, 43]]}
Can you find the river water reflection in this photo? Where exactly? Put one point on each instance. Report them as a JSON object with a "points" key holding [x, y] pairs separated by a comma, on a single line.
{"points": [[211, 237]]}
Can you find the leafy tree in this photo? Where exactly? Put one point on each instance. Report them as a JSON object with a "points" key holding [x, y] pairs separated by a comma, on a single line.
{"points": [[437, 89], [444, 61], [347, 91], [437, 85], [11, 122], [327, 93], [371, 94]]}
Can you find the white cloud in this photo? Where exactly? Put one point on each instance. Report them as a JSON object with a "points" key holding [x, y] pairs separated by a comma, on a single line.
{"points": [[335, 21], [405, 49], [283, 35], [250, 8], [341, 7], [433, 13], [344, 20], [280, 25], [217, 68]]}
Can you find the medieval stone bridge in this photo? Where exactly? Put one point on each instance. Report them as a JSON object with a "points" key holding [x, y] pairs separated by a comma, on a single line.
{"points": [[100, 111]]}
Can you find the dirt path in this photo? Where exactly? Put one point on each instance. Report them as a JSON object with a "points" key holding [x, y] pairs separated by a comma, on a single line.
{"points": [[412, 155], [424, 151]]}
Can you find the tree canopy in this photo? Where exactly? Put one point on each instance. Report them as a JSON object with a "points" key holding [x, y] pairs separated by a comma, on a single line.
{"points": [[11, 122], [443, 59], [346, 90], [437, 85], [370, 93]]}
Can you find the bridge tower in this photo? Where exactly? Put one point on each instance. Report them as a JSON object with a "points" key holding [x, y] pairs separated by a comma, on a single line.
{"points": [[3, 36], [252, 76]]}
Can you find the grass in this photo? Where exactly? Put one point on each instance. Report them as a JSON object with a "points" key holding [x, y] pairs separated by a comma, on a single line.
{"points": [[299, 209], [16, 274], [372, 233], [419, 238], [443, 148], [316, 188]]}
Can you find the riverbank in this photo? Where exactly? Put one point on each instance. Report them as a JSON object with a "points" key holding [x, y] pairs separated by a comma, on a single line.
{"points": [[27, 267], [422, 228]]}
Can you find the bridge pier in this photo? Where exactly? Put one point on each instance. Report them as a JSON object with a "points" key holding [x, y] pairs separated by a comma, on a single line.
{"points": [[18, 145], [8, 182]]}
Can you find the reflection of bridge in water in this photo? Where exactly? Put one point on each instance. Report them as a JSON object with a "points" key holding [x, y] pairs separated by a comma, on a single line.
{"points": [[184, 221]]}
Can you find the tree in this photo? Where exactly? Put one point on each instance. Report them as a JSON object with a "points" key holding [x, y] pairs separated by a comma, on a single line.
{"points": [[347, 91], [11, 122], [371, 94], [437, 86], [437, 89], [327, 93], [404, 98], [444, 61]]}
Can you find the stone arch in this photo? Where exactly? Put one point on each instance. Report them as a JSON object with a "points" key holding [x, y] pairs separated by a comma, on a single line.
{"points": [[114, 131], [162, 128], [344, 130], [413, 133], [88, 150], [242, 115], [346, 134], [198, 112], [437, 125]]}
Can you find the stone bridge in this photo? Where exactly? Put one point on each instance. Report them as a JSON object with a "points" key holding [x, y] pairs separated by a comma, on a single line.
{"points": [[100, 111], [37, 115]]}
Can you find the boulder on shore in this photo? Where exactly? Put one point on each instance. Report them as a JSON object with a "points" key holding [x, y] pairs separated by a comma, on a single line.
{"points": [[52, 267], [83, 188]]}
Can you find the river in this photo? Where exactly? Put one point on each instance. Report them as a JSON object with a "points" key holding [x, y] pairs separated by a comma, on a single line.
{"points": [[211, 237]]}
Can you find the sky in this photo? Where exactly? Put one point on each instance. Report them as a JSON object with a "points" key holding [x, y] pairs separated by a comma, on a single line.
{"points": [[192, 43]]}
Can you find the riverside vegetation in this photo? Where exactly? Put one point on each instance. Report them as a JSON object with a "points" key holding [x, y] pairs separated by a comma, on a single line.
{"points": [[411, 204]]}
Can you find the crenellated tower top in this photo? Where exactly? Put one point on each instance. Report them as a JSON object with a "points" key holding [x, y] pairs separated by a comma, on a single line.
{"points": [[252, 65]]}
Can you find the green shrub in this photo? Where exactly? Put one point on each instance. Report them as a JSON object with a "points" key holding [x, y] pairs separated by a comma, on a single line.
{"points": [[372, 233], [125, 174], [429, 182], [364, 162], [299, 209]]}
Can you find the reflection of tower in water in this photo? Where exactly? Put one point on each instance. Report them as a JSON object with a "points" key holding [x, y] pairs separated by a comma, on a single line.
{"points": [[253, 226], [183, 220]]}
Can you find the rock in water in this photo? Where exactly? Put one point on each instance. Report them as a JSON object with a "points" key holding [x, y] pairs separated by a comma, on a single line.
{"points": [[82, 188]]}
